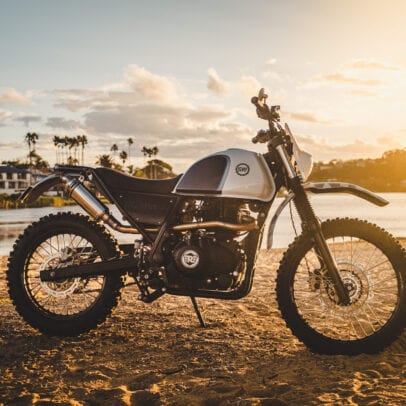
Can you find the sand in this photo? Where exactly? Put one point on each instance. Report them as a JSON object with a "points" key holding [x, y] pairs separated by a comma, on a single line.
{"points": [[157, 354]]}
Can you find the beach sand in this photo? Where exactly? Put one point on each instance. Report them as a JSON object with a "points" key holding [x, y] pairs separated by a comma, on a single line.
{"points": [[152, 354]]}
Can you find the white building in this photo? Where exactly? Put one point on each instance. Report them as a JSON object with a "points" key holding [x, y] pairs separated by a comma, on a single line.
{"points": [[14, 180]]}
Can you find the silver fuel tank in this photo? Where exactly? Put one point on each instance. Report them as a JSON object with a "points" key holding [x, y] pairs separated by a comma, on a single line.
{"points": [[236, 173]]}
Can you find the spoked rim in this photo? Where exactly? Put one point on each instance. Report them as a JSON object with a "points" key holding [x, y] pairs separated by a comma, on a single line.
{"points": [[69, 297], [371, 282]]}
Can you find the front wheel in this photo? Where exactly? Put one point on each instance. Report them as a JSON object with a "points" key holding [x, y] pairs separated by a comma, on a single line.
{"points": [[73, 305], [372, 266]]}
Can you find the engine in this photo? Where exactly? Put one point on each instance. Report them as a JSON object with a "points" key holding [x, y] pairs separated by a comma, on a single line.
{"points": [[203, 262], [209, 259]]}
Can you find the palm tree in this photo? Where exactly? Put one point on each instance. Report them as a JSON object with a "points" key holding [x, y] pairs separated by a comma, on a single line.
{"points": [[114, 149], [105, 160], [155, 151], [145, 152], [71, 144], [31, 140], [56, 141], [82, 139], [131, 169], [123, 156], [130, 142], [65, 144], [150, 152]]}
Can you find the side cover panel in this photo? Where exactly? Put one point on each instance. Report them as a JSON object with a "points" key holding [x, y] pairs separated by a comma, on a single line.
{"points": [[235, 173]]}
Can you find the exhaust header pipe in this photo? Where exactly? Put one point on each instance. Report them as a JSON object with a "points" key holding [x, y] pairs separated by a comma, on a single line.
{"points": [[216, 224]]}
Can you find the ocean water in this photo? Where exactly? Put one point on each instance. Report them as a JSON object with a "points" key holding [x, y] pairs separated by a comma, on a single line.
{"points": [[391, 217]]}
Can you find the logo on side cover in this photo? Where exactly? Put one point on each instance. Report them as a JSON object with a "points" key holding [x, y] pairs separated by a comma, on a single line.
{"points": [[190, 259], [242, 169]]}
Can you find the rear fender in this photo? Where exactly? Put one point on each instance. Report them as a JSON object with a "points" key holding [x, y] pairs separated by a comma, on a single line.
{"points": [[33, 192]]}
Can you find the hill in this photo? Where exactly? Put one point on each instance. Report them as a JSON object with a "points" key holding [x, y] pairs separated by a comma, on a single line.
{"points": [[385, 174]]}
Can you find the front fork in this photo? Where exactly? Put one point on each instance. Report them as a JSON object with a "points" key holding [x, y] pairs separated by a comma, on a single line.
{"points": [[311, 225]]}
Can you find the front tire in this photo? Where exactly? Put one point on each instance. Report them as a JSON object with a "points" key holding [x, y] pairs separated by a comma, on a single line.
{"points": [[74, 305], [372, 266]]}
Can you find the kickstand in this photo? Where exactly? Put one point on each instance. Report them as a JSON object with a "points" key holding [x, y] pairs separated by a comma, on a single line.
{"points": [[198, 314]]}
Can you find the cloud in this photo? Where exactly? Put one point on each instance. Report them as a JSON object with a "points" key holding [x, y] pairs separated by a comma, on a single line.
{"points": [[362, 92], [343, 78], [14, 145], [152, 109], [138, 86], [4, 115], [208, 114], [370, 64], [305, 116], [11, 96], [27, 119], [77, 99], [60, 122], [271, 61], [215, 83], [149, 85], [249, 86]]}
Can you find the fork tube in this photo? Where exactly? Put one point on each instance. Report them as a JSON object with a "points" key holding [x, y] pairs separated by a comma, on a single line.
{"points": [[311, 224]]}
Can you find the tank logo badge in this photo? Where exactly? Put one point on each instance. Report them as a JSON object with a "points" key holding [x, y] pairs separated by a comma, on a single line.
{"points": [[190, 259], [242, 169]]}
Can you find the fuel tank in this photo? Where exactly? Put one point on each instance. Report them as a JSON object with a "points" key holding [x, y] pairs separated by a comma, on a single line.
{"points": [[236, 173]]}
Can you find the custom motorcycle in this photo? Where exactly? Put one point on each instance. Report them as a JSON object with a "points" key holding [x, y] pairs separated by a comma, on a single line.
{"points": [[340, 286]]}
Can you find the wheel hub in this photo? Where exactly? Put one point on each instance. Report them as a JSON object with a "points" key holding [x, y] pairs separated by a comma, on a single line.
{"points": [[355, 281], [61, 288]]}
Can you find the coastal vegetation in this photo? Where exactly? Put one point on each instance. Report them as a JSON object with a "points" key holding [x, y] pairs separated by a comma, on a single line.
{"points": [[384, 174]]}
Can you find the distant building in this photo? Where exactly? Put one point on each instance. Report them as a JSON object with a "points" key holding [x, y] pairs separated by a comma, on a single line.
{"points": [[14, 180]]}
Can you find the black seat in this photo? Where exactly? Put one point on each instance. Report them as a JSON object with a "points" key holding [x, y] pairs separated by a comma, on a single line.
{"points": [[116, 181]]}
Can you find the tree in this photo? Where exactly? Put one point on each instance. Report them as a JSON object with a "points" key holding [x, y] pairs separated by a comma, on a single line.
{"points": [[82, 139], [161, 169], [114, 149], [130, 142], [105, 160], [145, 151], [123, 156], [38, 162], [72, 144], [31, 140], [56, 140], [65, 145], [150, 152]]}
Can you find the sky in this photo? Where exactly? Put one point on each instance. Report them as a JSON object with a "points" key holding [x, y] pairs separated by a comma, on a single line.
{"points": [[180, 75]]}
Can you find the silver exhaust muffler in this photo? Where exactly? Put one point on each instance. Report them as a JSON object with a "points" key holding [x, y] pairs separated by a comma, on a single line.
{"points": [[94, 207]]}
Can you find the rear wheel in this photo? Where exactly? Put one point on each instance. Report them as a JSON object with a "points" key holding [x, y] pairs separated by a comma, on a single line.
{"points": [[73, 305], [372, 266]]}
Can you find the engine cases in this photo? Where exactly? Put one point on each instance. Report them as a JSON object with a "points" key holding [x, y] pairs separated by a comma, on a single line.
{"points": [[235, 173], [207, 264]]}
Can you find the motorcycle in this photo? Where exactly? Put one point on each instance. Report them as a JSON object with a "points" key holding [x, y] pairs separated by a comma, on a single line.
{"points": [[340, 286]]}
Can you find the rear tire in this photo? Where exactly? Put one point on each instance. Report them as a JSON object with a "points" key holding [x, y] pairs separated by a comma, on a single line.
{"points": [[74, 305], [372, 265]]}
